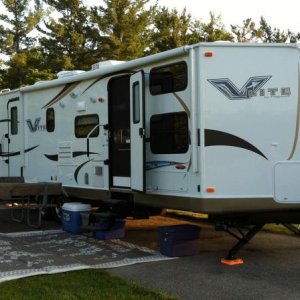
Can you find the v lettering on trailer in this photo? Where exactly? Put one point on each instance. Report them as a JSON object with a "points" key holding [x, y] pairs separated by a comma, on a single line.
{"points": [[33, 127], [232, 92]]}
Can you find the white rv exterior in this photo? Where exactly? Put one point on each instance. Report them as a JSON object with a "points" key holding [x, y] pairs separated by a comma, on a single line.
{"points": [[212, 127]]}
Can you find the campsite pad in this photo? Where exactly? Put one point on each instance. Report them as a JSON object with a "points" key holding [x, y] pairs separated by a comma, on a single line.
{"points": [[54, 251]]}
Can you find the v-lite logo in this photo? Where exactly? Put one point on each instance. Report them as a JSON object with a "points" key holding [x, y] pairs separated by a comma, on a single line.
{"points": [[249, 89], [36, 126]]}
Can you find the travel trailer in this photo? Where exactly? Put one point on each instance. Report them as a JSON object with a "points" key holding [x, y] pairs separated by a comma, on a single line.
{"points": [[211, 128]]}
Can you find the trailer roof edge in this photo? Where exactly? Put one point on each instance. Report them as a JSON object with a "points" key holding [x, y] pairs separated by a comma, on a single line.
{"points": [[126, 66], [135, 64]]}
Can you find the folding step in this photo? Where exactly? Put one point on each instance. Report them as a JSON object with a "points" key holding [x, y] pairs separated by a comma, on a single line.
{"points": [[120, 207], [115, 202]]}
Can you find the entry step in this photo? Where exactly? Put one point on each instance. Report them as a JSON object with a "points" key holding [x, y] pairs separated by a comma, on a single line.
{"points": [[114, 202]]}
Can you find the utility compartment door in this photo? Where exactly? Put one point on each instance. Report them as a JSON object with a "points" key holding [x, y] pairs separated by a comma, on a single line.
{"points": [[137, 130], [286, 182]]}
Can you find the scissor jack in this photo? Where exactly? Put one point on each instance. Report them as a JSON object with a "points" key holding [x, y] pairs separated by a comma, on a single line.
{"points": [[244, 236]]}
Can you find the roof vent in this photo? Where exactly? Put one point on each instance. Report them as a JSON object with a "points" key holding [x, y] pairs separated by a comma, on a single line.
{"points": [[63, 74], [106, 63], [4, 91]]}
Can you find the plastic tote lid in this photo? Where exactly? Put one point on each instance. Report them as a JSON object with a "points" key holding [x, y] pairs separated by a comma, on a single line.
{"points": [[76, 206]]}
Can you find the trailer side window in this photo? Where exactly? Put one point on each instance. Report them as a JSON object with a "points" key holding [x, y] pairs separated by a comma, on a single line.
{"points": [[87, 126], [50, 119], [14, 120], [136, 102], [168, 79], [169, 133]]}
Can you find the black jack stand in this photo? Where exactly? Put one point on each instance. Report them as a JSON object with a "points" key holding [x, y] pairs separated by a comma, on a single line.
{"points": [[242, 241]]}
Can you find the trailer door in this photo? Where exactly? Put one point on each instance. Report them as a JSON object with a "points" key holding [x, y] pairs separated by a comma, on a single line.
{"points": [[14, 136], [3, 139], [137, 131]]}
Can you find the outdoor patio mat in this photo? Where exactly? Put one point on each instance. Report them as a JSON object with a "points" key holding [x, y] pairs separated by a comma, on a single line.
{"points": [[54, 251]]}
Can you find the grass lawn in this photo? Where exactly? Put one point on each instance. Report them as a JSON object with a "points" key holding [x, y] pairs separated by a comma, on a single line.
{"points": [[86, 284]]}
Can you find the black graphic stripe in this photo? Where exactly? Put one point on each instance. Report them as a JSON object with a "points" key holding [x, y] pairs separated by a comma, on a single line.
{"points": [[220, 138], [29, 149], [78, 169], [54, 157], [79, 153], [60, 93], [10, 154], [67, 88], [16, 153], [5, 120], [107, 75]]}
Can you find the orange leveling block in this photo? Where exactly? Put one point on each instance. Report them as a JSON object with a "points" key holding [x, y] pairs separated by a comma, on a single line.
{"points": [[232, 262]]}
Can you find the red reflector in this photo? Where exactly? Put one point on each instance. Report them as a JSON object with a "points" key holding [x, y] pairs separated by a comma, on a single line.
{"points": [[210, 189], [208, 54], [180, 167]]}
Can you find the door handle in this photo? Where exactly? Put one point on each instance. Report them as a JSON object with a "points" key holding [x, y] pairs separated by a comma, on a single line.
{"points": [[142, 132]]}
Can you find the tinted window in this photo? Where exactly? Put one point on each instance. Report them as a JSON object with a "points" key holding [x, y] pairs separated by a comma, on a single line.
{"points": [[14, 120], [50, 120], [169, 133], [168, 79], [86, 126], [136, 102]]}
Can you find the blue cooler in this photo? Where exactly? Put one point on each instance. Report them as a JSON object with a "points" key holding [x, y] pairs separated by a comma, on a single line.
{"points": [[71, 218]]}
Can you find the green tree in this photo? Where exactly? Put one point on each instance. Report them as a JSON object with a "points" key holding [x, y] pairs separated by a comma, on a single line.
{"points": [[2, 73], [28, 65], [123, 28], [20, 20], [196, 32], [215, 30], [245, 33], [172, 29], [267, 34], [67, 40]]}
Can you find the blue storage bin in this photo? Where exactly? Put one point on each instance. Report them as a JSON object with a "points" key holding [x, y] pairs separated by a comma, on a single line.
{"points": [[103, 221], [117, 231], [179, 240], [179, 232], [71, 218]]}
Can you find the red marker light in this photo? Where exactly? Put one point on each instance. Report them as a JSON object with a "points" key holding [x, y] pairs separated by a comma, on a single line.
{"points": [[208, 54], [180, 166], [210, 189]]}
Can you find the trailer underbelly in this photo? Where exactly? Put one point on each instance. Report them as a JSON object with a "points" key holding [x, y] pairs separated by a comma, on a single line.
{"points": [[201, 205]]}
